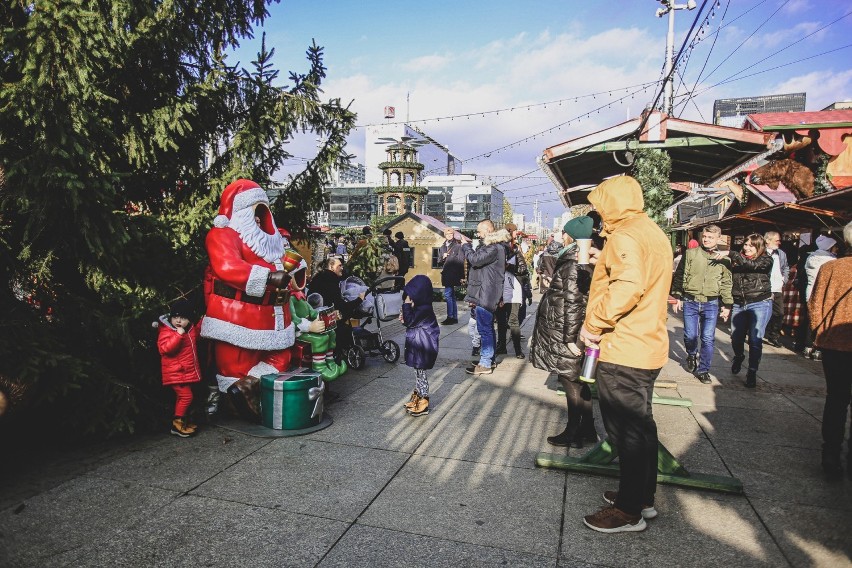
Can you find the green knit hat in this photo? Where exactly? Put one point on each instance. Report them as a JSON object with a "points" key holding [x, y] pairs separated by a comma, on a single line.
{"points": [[579, 227]]}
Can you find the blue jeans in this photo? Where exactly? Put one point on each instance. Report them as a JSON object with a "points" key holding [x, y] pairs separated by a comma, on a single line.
{"points": [[450, 297], [750, 319], [700, 317], [485, 327]]}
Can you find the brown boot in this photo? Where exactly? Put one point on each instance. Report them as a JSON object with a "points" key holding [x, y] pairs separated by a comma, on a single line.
{"points": [[420, 408], [180, 427], [412, 401]]}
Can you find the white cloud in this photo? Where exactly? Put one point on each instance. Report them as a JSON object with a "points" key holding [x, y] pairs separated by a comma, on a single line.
{"points": [[426, 63], [796, 6], [822, 87], [787, 36]]}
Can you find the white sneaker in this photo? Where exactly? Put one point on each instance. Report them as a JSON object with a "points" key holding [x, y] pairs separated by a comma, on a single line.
{"points": [[648, 512]]}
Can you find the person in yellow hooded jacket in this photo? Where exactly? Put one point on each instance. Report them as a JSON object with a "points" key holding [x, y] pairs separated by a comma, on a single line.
{"points": [[626, 317]]}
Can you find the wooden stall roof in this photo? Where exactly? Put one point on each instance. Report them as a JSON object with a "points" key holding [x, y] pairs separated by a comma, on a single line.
{"points": [[700, 152]]}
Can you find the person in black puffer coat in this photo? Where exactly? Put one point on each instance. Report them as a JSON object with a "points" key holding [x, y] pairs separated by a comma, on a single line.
{"points": [[752, 302], [553, 345]]}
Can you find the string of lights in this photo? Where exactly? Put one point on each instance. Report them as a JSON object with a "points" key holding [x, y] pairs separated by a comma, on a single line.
{"points": [[683, 61], [706, 59], [674, 67], [525, 186], [497, 112], [559, 126], [743, 42]]}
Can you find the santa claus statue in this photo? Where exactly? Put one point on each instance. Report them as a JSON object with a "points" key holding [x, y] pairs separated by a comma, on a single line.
{"points": [[247, 294]]}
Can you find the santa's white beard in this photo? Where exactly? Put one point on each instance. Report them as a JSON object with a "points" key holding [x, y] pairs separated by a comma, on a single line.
{"points": [[268, 247]]}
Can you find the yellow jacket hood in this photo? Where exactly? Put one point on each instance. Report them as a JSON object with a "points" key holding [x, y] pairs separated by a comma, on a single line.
{"points": [[617, 199]]}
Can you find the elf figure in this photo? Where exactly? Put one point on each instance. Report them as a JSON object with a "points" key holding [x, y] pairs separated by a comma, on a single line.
{"points": [[313, 329]]}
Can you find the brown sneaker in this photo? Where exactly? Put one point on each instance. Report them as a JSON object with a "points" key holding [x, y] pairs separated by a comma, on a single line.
{"points": [[181, 428], [411, 401], [613, 520], [420, 408], [479, 370], [648, 511]]}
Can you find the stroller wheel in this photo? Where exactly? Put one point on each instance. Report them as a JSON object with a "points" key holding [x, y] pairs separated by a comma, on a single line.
{"points": [[390, 351], [356, 357]]}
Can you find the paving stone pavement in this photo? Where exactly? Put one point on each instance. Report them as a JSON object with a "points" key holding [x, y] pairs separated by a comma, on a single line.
{"points": [[456, 488]]}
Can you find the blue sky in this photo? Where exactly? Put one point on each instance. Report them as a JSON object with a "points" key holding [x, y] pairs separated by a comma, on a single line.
{"points": [[455, 58]]}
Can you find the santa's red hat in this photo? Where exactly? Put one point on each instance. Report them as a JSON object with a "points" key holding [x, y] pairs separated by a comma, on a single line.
{"points": [[237, 196]]}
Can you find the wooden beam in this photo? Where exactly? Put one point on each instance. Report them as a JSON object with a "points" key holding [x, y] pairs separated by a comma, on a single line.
{"points": [[682, 142]]}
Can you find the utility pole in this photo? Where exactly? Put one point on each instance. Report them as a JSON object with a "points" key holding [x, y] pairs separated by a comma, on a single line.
{"points": [[669, 7]]}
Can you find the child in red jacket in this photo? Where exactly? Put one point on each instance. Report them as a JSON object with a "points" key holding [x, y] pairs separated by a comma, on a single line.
{"points": [[177, 344]]}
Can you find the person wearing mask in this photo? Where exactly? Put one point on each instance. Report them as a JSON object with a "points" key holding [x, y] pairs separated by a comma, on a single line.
{"points": [[553, 346], [402, 251], [777, 278], [626, 318], [451, 261], [752, 309], [487, 268], [702, 287], [831, 316], [826, 251]]}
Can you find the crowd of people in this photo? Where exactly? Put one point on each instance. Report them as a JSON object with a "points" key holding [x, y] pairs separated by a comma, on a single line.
{"points": [[606, 285]]}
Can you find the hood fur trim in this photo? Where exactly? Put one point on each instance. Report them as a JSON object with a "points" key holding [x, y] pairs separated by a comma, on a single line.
{"points": [[500, 236]]}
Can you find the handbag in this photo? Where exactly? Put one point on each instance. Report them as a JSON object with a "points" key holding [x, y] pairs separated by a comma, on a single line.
{"points": [[388, 305]]}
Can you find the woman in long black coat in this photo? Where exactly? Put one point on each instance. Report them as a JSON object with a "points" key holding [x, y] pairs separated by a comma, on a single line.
{"points": [[554, 340]]}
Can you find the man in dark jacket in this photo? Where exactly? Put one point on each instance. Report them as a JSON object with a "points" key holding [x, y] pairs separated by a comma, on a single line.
{"points": [[451, 261], [402, 252], [485, 288]]}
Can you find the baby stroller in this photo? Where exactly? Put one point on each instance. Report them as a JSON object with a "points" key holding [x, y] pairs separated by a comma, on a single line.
{"points": [[383, 304]]}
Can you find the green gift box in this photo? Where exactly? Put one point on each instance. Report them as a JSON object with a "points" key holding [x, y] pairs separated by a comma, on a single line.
{"points": [[292, 400]]}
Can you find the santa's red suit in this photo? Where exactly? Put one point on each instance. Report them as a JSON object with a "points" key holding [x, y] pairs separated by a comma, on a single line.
{"points": [[247, 317]]}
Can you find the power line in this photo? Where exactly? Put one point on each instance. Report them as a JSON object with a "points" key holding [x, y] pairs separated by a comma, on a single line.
{"points": [[706, 59], [757, 29], [673, 67], [773, 54], [846, 15], [733, 78]]}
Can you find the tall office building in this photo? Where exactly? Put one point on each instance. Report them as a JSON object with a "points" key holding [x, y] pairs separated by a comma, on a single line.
{"points": [[353, 173], [462, 201]]}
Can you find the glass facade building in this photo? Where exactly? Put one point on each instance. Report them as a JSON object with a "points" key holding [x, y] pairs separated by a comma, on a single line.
{"points": [[351, 205], [732, 112], [460, 201]]}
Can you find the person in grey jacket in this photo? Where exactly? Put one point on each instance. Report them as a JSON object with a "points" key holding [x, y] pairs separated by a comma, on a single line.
{"points": [[487, 268]]}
